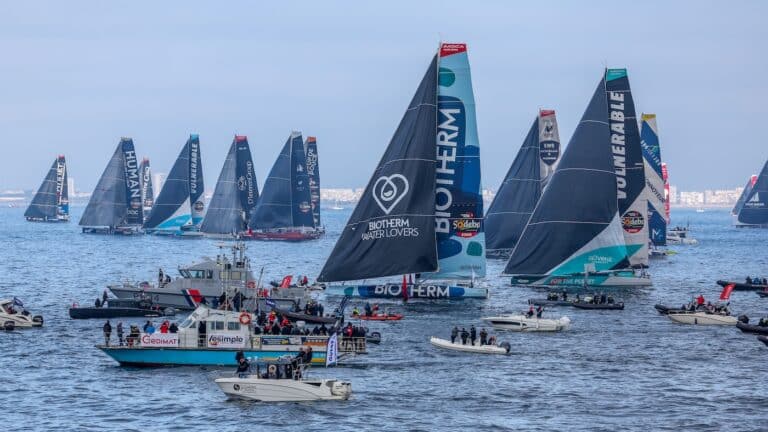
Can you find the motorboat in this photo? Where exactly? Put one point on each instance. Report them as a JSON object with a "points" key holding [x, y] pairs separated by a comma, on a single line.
{"points": [[743, 286], [528, 324], [307, 318], [763, 339], [282, 380], [702, 318], [117, 308], [501, 348], [206, 281], [212, 337], [373, 338], [680, 236], [553, 299], [760, 328], [386, 316], [598, 306], [13, 315], [664, 310]]}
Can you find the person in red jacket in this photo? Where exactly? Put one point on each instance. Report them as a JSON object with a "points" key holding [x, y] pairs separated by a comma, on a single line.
{"points": [[700, 300]]}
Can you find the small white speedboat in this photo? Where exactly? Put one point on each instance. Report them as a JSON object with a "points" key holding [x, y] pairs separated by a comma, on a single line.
{"points": [[281, 382], [501, 348], [523, 323], [702, 318], [13, 315]]}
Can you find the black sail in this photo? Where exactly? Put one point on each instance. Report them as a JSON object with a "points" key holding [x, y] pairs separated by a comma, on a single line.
{"points": [[44, 204], [755, 208], [313, 171], [392, 229], [108, 205]]}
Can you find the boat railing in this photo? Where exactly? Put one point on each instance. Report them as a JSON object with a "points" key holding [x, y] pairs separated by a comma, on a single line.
{"points": [[353, 345]]}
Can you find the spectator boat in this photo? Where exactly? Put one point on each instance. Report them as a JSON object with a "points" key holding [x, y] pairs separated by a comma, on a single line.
{"points": [[528, 324], [702, 318], [501, 348], [13, 315]]}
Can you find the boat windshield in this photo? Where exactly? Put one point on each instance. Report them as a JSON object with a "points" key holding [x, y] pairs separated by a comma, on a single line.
{"points": [[188, 322]]}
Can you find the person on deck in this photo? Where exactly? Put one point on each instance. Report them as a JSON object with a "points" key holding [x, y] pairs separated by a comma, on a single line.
{"points": [[483, 336], [472, 334], [160, 278], [529, 314], [120, 333], [539, 311], [107, 332], [700, 300], [367, 308], [173, 328], [164, 327], [97, 303], [104, 298], [454, 334], [749, 280], [242, 367], [464, 336]]}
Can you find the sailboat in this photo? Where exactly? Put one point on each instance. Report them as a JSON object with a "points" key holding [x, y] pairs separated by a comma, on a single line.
{"points": [[518, 194], [313, 171], [284, 210], [179, 208], [421, 211], [744, 194], [654, 186], [51, 202], [236, 193], [115, 206], [754, 211], [147, 191], [575, 236]]}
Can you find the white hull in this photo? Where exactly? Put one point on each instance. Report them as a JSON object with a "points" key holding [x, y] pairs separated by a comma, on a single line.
{"points": [[284, 390], [476, 348], [702, 318], [522, 323], [19, 321]]}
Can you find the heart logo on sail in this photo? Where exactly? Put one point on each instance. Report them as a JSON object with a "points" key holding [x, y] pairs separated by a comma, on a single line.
{"points": [[389, 190]]}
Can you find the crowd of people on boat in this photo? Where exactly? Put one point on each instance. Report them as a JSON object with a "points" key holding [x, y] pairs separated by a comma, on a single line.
{"points": [[472, 336], [134, 334], [700, 304], [558, 296], [596, 298], [276, 370], [368, 310], [756, 281], [538, 312]]}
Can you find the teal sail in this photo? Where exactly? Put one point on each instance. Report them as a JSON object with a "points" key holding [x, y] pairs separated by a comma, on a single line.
{"points": [[458, 191]]}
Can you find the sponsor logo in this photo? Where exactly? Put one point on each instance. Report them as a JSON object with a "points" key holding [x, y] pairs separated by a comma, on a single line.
{"points": [[549, 140], [305, 207], [132, 175], [241, 183], [466, 227], [311, 161], [236, 387], [199, 206], [616, 108], [160, 339], [450, 137], [389, 228], [193, 151], [225, 341], [59, 177], [632, 221], [388, 191], [417, 291], [299, 168]]}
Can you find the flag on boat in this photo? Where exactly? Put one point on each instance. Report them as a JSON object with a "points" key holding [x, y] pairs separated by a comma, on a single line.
{"points": [[726, 294], [405, 289], [269, 302], [332, 350], [17, 302], [286, 281]]}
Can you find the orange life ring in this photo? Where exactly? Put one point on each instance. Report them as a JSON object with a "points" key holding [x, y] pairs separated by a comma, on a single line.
{"points": [[245, 318], [251, 284]]}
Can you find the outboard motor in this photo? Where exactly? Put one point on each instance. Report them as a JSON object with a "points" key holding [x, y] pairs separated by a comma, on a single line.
{"points": [[506, 346], [38, 319], [744, 319], [341, 388], [9, 326]]}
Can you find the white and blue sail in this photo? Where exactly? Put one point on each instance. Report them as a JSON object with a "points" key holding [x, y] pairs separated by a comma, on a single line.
{"points": [[147, 191], [51, 202], [744, 194], [179, 206], [522, 186], [313, 171], [754, 211], [574, 235], [628, 165], [458, 189], [393, 229], [116, 200], [236, 192], [654, 181], [285, 200]]}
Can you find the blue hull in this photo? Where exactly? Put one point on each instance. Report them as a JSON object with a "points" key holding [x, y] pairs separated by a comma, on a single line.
{"points": [[193, 357], [395, 291]]}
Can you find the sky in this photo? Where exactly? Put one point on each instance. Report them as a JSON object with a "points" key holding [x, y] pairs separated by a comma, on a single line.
{"points": [[76, 76]]}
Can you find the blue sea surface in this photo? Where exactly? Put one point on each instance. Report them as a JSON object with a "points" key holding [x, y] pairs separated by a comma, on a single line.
{"points": [[614, 370]]}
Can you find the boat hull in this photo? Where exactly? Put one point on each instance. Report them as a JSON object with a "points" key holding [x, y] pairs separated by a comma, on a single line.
{"points": [[701, 318], [476, 348], [593, 280], [111, 312], [153, 357], [181, 298], [379, 317], [283, 390], [599, 306], [288, 236], [420, 291], [741, 286], [523, 324], [751, 328], [763, 339], [545, 302]]}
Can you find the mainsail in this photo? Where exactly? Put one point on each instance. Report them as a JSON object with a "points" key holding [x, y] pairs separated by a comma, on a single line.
{"points": [[236, 192], [522, 186], [458, 190], [116, 201], [51, 202], [744, 194], [285, 201], [147, 192], [755, 208], [179, 203], [392, 229], [654, 180], [628, 165], [313, 171], [576, 222]]}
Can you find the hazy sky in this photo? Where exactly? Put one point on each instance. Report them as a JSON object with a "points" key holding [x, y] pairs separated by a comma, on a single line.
{"points": [[76, 76]]}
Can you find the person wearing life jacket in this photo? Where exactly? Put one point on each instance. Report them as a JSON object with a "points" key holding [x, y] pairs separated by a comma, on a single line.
{"points": [[355, 311], [700, 300], [368, 311], [164, 327]]}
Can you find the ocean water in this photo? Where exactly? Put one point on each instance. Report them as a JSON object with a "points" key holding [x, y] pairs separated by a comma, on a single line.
{"points": [[614, 370]]}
